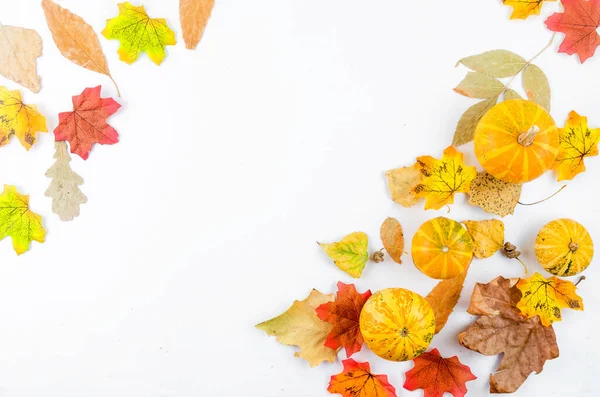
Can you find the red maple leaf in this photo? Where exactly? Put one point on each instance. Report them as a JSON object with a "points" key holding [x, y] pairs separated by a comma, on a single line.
{"points": [[344, 314], [87, 124], [356, 380], [579, 23], [437, 375]]}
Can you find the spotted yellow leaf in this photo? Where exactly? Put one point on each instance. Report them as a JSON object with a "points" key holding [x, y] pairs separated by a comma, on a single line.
{"points": [[18, 221], [138, 33], [350, 254], [18, 119], [577, 141], [522, 9]]}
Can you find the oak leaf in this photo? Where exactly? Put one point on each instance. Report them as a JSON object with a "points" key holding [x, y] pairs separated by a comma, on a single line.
{"points": [[443, 298], [87, 123], [344, 314], [545, 297], [522, 9], [479, 85], [577, 141], [493, 195], [19, 119], [64, 188], [19, 50], [579, 22], [137, 33], [392, 238], [495, 63], [18, 221], [300, 326], [194, 15], [443, 178], [350, 254], [401, 181], [356, 380], [488, 236], [437, 375]]}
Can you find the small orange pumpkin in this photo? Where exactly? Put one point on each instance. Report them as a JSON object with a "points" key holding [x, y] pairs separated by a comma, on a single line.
{"points": [[516, 141], [564, 247], [442, 248], [397, 324]]}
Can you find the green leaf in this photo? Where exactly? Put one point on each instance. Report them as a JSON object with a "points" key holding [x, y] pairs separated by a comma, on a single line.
{"points": [[350, 254], [479, 85], [537, 86], [465, 129], [495, 63], [511, 94]]}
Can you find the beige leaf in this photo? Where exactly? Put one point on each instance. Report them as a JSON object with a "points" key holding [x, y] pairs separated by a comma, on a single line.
{"points": [[75, 39], [401, 181], [537, 86], [19, 50], [64, 188], [496, 63], [194, 15], [443, 297], [479, 85], [392, 238], [488, 236], [465, 129], [511, 94], [493, 195]]}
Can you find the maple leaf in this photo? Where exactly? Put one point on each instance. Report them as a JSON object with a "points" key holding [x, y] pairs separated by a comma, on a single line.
{"points": [[442, 178], [401, 181], [577, 141], [300, 326], [344, 314], [437, 375], [392, 238], [19, 50], [443, 298], [356, 380], [19, 119], [350, 254], [488, 236], [18, 221], [579, 22], [137, 33], [522, 9], [194, 16], [545, 298], [493, 195], [87, 123]]}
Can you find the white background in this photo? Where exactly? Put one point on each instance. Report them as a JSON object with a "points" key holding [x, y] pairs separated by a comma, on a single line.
{"points": [[234, 159]]}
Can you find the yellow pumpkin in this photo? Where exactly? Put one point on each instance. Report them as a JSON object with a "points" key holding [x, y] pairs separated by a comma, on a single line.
{"points": [[516, 141], [442, 248], [564, 247], [397, 324]]}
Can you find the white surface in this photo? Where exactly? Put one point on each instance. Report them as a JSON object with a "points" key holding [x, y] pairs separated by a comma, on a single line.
{"points": [[234, 159]]}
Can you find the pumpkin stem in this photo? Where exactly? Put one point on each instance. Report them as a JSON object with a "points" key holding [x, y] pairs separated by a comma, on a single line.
{"points": [[547, 198], [573, 246], [580, 280], [527, 138], [377, 256]]}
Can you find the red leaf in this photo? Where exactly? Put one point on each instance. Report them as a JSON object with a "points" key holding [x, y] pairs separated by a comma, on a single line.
{"points": [[579, 23], [87, 124], [437, 375], [356, 380], [344, 314]]}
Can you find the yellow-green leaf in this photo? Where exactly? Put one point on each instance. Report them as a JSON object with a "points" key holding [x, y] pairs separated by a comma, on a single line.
{"points": [[537, 86], [465, 129], [18, 221], [511, 94], [479, 85], [488, 236], [350, 254], [496, 63]]}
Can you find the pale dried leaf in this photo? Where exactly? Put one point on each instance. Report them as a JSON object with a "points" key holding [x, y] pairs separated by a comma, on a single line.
{"points": [[479, 85], [194, 15], [488, 236], [511, 94], [19, 50], [537, 86], [493, 195], [443, 297], [401, 181], [496, 63], [392, 238], [465, 129]]}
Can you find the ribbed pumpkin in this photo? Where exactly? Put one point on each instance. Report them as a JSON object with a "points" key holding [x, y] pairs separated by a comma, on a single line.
{"points": [[516, 141], [564, 247], [442, 248], [397, 324]]}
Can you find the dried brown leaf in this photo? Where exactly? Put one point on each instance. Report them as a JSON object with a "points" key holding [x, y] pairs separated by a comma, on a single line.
{"points": [[19, 50], [493, 195], [401, 181], [392, 238], [498, 297], [488, 236], [443, 297], [194, 15], [465, 129]]}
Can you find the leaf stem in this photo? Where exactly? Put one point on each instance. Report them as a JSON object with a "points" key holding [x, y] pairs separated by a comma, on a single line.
{"points": [[115, 83], [580, 280], [547, 198], [524, 265]]}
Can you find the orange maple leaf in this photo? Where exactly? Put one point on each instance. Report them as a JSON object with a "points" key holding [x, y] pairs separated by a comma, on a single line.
{"points": [[356, 380]]}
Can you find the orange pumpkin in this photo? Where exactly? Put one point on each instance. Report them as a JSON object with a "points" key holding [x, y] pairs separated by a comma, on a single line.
{"points": [[564, 247], [442, 248], [516, 141], [397, 324]]}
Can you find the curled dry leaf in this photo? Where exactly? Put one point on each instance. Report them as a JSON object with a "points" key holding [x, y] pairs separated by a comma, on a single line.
{"points": [[19, 50], [18, 119], [18, 221], [350, 254], [465, 129], [194, 15], [300, 326], [401, 181], [522, 9], [498, 297], [357, 380], [496, 63], [536, 86], [479, 85], [392, 238], [577, 141], [493, 195], [488, 236], [443, 298]]}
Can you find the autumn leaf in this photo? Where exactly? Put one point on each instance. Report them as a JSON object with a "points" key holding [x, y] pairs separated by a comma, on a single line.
{"points": [[479, 85], [137, 33], [18, 221], [488, 236], [522, 9], [350, 254], [579, 22], [300, 326], [511, 94], [356, 380], [194, 15], [577, 141], [437, 375], [493, 195], [536, 86], [498, 297], [392, 238], [465, 128], [443, 298], [19, 50], [344, 314], [87, 123], [401, 181], [495, 63], [545, 297], [64, 189], [443, 178], [19, 119]]}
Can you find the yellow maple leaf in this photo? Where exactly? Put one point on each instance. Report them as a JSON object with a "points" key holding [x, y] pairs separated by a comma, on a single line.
{"points": [[138, 33], [522, 9], [545, 297], [577, 141], [442, 178], [488, 236], [350, 254], [19, 119], [18, 221]]}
